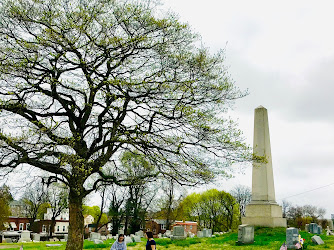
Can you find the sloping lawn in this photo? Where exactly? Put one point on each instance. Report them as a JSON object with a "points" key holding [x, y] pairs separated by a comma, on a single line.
{"points": [[265, 238]]}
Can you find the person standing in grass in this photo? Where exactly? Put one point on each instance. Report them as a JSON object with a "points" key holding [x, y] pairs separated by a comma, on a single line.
{"points": [[150, 245], [119, 244]]}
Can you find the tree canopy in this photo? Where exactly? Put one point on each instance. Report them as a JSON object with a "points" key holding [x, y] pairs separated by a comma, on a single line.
{"points": [[81, 81]]}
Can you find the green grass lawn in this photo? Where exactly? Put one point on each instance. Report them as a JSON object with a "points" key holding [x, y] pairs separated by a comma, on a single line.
{"points": [[265, 238]]}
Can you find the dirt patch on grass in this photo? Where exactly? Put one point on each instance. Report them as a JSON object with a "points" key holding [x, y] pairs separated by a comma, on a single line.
{"points": [[6, 247]]}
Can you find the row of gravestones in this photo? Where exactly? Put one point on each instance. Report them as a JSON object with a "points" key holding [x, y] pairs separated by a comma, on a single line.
{"points": [[98, 239], [313, 228], [179, 233], [246, 236], [25, 237]]}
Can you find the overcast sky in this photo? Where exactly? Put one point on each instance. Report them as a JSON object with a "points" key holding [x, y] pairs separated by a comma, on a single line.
{"points": [[283, 53]]}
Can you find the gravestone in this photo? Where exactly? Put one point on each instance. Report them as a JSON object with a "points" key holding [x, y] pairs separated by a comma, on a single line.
{"points": [[65, 237], [140, 233], [8, 240], [168, 233], [200, 234], [53, 245], [330, 224], [103, 237], [95, 236], [25, 236], [245, 234], [136, 238], [317, 240], [97, 241], [109, 236], [307, 227], [263, 209], [319, 229], [36, 237], [159, 235], [178, 233], [128, 240], [121, 231], [292, 237], [313, 228], [209, 232]]}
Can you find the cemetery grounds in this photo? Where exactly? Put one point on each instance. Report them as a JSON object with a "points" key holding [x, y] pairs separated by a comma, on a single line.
{"points": [[265, 238]]}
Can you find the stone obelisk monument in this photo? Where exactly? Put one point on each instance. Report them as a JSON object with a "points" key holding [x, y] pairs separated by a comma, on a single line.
{"points": [[263, 209]]}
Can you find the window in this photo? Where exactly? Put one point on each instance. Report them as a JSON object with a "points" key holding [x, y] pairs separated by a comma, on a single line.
{"points": [[43, 228], [185, 226], [64, 228], [57, 228], [21, 226], [191, 227], [27, 226], [163, 226]]}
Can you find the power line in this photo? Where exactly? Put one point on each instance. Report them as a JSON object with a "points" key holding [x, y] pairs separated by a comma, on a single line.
{"points": [[307, 191]]}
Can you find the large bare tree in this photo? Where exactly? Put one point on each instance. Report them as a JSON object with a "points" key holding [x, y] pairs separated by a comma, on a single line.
{"points": [[83, 80]]}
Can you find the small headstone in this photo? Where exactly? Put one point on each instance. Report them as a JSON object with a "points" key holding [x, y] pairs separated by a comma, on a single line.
{"points": [[95, 236], [96, 241], [55, 239], [245, 234], [36, 237], [140, 233], [191, 235], [168, 233], [205, 232], [51, 240], [200, 234], [25, 236], [62, 240], [8, 240], [292, 237], [159, 235], [317, 240], [109, 236], [319, 230], [307, 228], [313, 227], [103, 237], [65, 237], [178, 233], [121, 231], [330, 224], [128, 240], [209, 232], [136, 238]]}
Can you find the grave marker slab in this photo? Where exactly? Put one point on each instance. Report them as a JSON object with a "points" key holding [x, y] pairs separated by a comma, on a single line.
{"points": [[317, 240], [25, 236], [292, 237], [95, 236], [178, 233], [245, 234], [313, 227]]}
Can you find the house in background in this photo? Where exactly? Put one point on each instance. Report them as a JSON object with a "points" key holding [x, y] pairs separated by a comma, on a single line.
{"points": [[189, 226], [156, 226]]}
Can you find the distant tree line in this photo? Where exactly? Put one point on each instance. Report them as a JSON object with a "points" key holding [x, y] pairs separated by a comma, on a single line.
{"points": [[298, 216]]}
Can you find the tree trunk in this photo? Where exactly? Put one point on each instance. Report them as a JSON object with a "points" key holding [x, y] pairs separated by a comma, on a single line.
{"points": [[76, 228], [53, 224]]}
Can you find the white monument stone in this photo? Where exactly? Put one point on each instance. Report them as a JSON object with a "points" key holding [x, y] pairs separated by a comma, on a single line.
{"points": [[263, 209], [25, 236]]}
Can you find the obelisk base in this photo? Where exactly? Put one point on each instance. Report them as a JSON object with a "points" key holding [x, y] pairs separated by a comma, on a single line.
{"points": [[264, 214]]}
